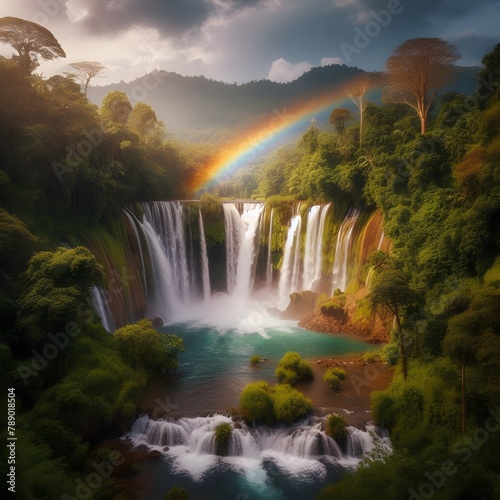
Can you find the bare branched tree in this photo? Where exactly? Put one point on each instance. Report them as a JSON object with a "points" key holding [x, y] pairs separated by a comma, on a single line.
{"points": [[356, 90], [86, 71], [417, 69]]}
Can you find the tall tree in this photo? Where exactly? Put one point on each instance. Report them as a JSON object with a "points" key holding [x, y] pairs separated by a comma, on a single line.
{"points": [[338, 119], [142, 118], [116, 107], [417, 69], [356, 90], [392, 290], [31, 41], [87, 70]]}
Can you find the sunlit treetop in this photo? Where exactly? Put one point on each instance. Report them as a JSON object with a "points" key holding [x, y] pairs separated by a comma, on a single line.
{"points": [[31, 42]]}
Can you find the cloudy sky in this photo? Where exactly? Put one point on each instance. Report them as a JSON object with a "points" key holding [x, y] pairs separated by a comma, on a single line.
{"points": [[243, 40]]}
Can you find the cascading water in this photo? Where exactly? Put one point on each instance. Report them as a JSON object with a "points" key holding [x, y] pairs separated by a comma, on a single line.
{"points": [[342, 250], [167, 220], [248, 248], [171, 264], [313, 254], [301, 449], [233, 229], [290, 277], [101, 306], [269, 266], [204, 261]]}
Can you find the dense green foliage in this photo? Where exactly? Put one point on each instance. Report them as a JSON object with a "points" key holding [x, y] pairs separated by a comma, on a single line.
{"points": [[67, 168], [440, 196], [293, 369], [259, 402], [145, 348]]}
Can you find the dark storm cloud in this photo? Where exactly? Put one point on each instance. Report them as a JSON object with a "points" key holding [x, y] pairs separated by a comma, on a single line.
{"points": [[171, 18], [474, 47]]}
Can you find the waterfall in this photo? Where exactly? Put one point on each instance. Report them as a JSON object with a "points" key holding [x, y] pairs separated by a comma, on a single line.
{"points": [[101, 306], [204, 261], [233, 229], [167, 220], [269, 266], [170, 263], [290, 277], [165, 294], [291, 447], [247, 251], [133, 224], [342, 250], [313, 254], [382, 236]]}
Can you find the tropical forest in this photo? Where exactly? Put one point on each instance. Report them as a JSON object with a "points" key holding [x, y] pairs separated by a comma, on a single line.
{"points": [[249, 291]]}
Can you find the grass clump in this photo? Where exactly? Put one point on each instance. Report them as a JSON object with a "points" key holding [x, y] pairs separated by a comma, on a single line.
{"points": [[255, 359], [222, 437], [293, 369], [336, 428], [333, 376]]}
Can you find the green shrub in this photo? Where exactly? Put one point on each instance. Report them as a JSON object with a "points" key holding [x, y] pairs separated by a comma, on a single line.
{"points": [[290, 405], [331, 379], [177, 493], [260, 402], [383, 409], [336, 428], [256, 402], [222, 437], [255, 359], [333, 376], [372, 356], [286, 376], [390, 354], [339, 372], [292, 362]]}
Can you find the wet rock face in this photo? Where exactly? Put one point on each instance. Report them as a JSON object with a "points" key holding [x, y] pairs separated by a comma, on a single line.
{"points": [[301, 304], [338, 315]]}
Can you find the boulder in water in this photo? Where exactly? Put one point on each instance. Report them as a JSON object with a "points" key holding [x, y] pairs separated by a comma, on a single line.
{"points": [[158, 321], [154, 454]]}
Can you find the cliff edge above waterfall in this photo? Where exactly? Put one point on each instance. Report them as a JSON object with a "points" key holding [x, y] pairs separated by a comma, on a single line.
{"points": [[349, 313]]}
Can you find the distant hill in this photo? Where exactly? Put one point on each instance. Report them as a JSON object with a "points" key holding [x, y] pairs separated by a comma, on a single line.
{"points": [[200, 109]]}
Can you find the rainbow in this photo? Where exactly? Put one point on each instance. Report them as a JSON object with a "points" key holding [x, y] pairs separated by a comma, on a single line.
{"points": [[267, 134]]}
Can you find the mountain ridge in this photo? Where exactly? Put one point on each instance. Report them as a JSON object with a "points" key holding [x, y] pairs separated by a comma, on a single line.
{"points": [[201, 109]]}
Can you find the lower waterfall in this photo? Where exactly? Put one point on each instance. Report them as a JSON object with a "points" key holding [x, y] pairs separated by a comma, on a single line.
{"points": [[263, 456]]}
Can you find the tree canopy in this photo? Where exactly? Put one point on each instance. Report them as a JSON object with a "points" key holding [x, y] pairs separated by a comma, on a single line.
{"points": [[87, 70], [30, 41], [417, 69]]}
